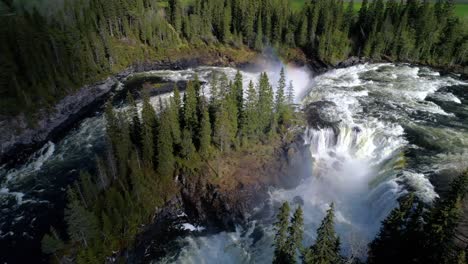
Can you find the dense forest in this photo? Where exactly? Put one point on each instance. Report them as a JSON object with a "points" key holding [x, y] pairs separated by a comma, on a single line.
{"points": [[414, 232], [148, 150], [45, 57]]}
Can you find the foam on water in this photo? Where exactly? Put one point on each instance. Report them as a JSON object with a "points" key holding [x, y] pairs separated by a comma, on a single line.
{"points": [[34, 163], [360, 164]]}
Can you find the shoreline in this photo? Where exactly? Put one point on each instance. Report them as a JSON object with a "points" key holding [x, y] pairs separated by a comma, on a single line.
{"points": [[18, 140]]}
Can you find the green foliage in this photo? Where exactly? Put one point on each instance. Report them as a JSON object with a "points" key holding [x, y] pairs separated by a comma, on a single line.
{"points": [[44, 58], [149, 136], [165, 146], [295, 234], [51, 243], [190, 109], [136, 175], [281, 228], [82, 224], [412, 234], [326, 249]]}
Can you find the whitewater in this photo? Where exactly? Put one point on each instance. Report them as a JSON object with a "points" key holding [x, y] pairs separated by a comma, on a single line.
{"points": [[369, 154], [388, 129]]}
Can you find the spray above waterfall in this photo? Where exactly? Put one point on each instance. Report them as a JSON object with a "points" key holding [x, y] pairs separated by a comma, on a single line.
{"points": [[367, 123]]}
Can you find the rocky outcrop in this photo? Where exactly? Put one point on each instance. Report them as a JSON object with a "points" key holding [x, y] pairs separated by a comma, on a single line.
{"points": [[208, 203], [18, 138], [322, 114]]}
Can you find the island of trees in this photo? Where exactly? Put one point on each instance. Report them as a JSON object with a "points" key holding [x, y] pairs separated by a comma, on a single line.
{"points": [[150, 152], [45, 56]]}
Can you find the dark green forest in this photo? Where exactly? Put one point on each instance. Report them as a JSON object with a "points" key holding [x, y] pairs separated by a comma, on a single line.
{"points": [[146, 152], [45, 57], [414, 232]]}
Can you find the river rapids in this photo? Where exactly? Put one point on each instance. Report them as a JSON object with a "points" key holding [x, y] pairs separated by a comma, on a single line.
{"points": [[387, 129]]}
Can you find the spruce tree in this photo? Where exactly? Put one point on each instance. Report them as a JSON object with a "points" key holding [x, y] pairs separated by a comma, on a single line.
{"points": [[190, 108], [280, 100], [188, 153], [290, 93], [205, 133], [51, 243], [258, 44], [250, 116], [326, 249], [265, 103], [149, 125], [295, 234], [442, 221], [165, 146], [82, 225], [238, 91], [391, 239], [281, 227], [132, 112], [174, 120]]}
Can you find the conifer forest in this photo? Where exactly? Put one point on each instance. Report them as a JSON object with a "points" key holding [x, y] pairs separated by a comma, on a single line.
{"points": [[234, 131]]}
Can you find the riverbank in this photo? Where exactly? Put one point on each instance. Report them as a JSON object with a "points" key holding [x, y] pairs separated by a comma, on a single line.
{"points": [[20, 136]]}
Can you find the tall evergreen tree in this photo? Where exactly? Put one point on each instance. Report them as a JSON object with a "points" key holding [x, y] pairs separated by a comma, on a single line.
{"points": [[165, 146], [281, 227], [82, 225], [326, 249], [205, 133], [149, 126], [295, 234], [190, 108]]}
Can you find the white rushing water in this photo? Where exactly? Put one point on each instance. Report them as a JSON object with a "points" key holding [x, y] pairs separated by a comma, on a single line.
{"points": [[394, 127], [360, 164]]}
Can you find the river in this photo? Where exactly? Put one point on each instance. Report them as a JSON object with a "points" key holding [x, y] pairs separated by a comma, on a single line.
{"points": [[397, 127]]}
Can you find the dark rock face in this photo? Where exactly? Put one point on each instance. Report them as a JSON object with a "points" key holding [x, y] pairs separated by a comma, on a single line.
{"points": [[202, 203], [322, 114], [17, 137], [351, 61]]}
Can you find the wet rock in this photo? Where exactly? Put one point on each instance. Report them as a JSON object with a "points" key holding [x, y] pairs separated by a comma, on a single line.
{"points": [[357, 129], [322, 114], [351, 61]]}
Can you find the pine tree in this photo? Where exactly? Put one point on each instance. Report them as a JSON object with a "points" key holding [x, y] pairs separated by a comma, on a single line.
{"points": [[326, 249], [82, 224], [136, 130], [227, 23], [190, 108], [175, 8], [149, 126], [442, 221], [290, 93], [258, 45], [238, 91], [250, 116], [205, 133], [188, 153], [174, 120], [392, 237], [280, 100], [295, 234], [112, 124], [165, 146], [265, 103], [281, 227], [51, 243]]}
